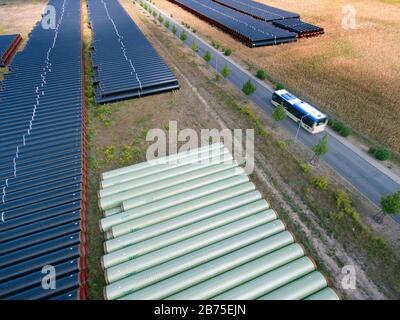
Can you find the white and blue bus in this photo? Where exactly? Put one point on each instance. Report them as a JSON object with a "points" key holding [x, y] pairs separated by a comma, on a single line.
{"points": [[309, 117]]}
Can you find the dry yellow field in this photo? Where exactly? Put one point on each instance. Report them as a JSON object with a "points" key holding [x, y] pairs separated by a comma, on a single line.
{"points": [[354, 75]]}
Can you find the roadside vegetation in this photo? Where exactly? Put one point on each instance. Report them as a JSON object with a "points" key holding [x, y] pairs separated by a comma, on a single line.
{"points": [[380, 153], [340, 128], [248, 88]]}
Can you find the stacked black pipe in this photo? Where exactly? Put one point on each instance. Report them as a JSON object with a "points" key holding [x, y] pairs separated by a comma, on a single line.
{"points": [[258, 10], [303, 29], [280, 18], [8, 47], [125, 64], [253, 32], [43, 182]]}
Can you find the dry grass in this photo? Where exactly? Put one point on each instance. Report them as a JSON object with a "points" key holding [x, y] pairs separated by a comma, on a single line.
{"points": [[19, 16], [353, 75]]}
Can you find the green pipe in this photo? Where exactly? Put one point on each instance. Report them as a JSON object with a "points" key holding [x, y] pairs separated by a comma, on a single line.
{"points": [[178, 249], [160, 200], [270, 281], [127, 184], [112, 211], [214, 172], [298, 289], [251, 243], [180, 234], [172, 158], [251, 199], [223, 174], [211, 287], [162, 210], [224, 276]]}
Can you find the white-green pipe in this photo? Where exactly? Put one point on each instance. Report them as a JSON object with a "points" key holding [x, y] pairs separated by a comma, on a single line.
{"points": [[203, 157], [212, 286], [225, 276], [178, 249], [177, 183], [163, 160], [163, 240], [112, 211], [127, 184], [324, 294], [298, 289], [161, 211], [159, 201], [251, 199], [249, 243], [270, 281], [222, 173]]}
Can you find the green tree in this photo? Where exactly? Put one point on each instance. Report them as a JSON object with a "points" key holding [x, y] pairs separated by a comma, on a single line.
{"points": [[381, 154], [166, 24], [195, 47], [279, 113], [227, 52], [261, 74], [248, 88], [279, 86], [208, 56], [225, 71], [160, 19], [390, 205], [174, 29], [320, 148], [183, 36]]}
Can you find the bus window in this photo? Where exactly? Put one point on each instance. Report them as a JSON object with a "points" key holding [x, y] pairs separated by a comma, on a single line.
{"points": [[276, 98], [309, 122]]}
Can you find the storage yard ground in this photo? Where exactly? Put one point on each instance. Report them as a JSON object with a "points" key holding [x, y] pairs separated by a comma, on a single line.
{"points": [[117, 133], [351, 74]]}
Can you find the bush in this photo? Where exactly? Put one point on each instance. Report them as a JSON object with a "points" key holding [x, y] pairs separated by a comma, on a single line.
{"points": [[381, 154], [215, 44], [281, 144], [208, 56], [183, 36], [261, 74], [160, 19], [217, 77], [279, 86], [227, 52], [194, 30], [174, 29], [306, 168], [166, 24], [109, 153], [126, 155], [345, 207], [225, 71], [279, 113], [154, 14], [341, 128], [248, 88], [195, 47], [320, 183]]}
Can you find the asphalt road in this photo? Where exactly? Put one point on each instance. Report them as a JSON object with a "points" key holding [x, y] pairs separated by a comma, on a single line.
{"points": [[369, 180]]}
